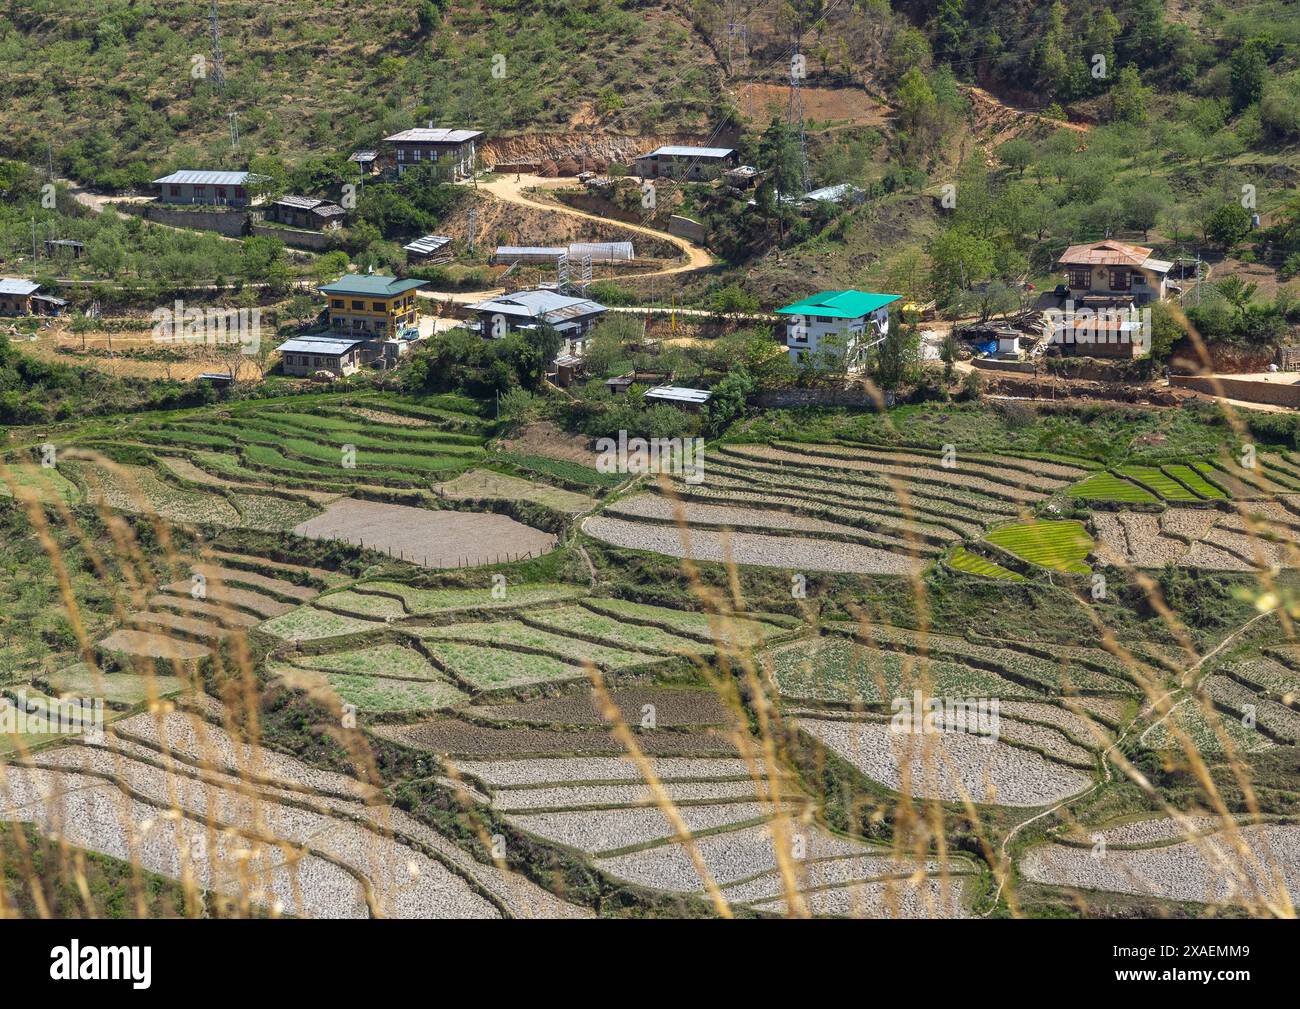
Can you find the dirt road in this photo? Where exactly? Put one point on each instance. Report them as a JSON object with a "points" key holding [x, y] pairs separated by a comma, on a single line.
{"points": [[508, 189]]}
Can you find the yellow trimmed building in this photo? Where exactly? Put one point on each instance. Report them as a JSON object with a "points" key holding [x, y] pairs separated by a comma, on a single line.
{"points": [[370, 306]]}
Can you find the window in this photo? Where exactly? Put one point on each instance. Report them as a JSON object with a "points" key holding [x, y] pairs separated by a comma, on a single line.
{"points": [[358, 306], [377, 306], [1081, 279], [176, 190], [401, 154], [1120, 280], [221, 192], [200, 191], [239, 192], [336, 303], [415, 155]]}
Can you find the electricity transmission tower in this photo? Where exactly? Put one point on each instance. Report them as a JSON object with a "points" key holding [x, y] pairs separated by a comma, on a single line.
{"points": [[218, 60], [234, 129], [794, 113]]}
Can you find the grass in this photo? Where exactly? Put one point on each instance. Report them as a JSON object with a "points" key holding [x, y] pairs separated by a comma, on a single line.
{"points": [[1109, 487], [1061, 546], [739, 630], [963, 560]]}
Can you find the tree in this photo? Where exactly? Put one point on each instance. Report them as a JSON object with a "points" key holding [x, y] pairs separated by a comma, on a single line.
{"points": [[899, 354], [1142, 209], [1228, 225], [1128, 98], [1016, 154], [948, 351], [1247, 71], [1237, 293], [958, 261], [728, 400]]}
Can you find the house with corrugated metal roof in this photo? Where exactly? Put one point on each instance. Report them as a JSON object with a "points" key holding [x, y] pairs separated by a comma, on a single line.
{"points": [[1109, 272], [671, 162], [16, 295], [525, 311], [220, 189], [429, 249], [306, 212], [847, 323], [306, 355], [452, 152]]}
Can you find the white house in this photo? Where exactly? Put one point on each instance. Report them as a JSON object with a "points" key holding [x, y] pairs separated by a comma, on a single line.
{"points": [[841, 322]]}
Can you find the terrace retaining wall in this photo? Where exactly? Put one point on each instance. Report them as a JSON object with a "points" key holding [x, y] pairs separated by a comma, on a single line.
{"points": [[315, 240], [1247, 390], [856, 396], [231, 223]]}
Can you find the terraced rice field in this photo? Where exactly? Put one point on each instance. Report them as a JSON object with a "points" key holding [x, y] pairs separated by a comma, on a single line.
{"points": [[741, 813], [315, 848], [424, 602], [435, 539], [511, 634], [969, 563], [308, 623], [856, 508], [835, 669], [1061, 546], [485, 484], [951, 766], [1200, 538], [737, 630], [1251, 866]]}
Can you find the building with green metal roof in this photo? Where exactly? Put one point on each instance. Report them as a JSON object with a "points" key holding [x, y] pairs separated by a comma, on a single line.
{"points": [[371, 306], [371, 284], [840, 323]]}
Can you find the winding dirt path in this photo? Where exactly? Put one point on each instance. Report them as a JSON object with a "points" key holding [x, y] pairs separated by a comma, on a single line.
{"points": [[511, 190]]}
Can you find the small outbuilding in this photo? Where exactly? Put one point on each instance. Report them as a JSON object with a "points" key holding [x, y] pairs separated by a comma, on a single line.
{"points": [[690, 400]]}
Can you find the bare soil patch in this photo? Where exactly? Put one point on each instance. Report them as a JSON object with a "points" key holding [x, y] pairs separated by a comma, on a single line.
{"points": [[434, 539]]}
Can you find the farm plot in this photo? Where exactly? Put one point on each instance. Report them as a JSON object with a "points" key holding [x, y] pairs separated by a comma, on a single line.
{"points": [[28, 480], [374, 694], [424, 602], [835, 669], [1061, 546], [428, 538], [969, 563], [664, 707], [1111, 487], [309, 623], [1205, 731], [588, 625], [511, 634], [795, 553], [766, 517], [448, 735], [740, 816], [388, 659], [1259, 866], [1194, 537], [1160, 483], [484, 668], [363, 604], [950, 766], [1277, 721], [738, 630], [484, 484], [118, 689], [1078, 669], [137, 489]]}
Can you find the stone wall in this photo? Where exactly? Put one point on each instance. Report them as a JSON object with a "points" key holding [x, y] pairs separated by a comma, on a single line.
{"points": [[1247, 390]]}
